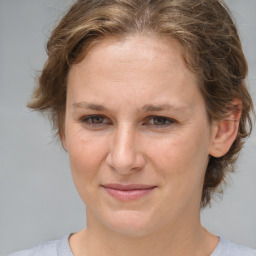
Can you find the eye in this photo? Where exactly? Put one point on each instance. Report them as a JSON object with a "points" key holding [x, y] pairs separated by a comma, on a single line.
{"points": [[94, 120], [160, 121]]}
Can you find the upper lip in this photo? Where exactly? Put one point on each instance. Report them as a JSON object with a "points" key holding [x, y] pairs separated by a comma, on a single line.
{"points": [[128, 187]]}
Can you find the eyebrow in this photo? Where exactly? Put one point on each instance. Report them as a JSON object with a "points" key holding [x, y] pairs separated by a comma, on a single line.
{"points": [[145, 108], [162, 107], [89, 106]]}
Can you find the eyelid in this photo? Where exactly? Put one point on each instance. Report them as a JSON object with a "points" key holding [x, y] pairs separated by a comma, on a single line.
{"points": [[85, 120], [149, 121], [169, 120]]}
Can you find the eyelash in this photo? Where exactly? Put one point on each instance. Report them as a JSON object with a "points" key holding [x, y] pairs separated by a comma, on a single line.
{"points": [[88, 120], [165, 121]]}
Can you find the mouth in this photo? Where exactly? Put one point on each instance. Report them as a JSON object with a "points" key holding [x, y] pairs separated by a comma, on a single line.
{"points": [[128, 192]]}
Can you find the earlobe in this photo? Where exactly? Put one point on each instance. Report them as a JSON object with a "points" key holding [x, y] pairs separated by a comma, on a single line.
{"points": [[224, 132], [63, 140]]}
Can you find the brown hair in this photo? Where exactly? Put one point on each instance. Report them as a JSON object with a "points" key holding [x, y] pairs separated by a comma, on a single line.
{"points": [[205, 33]]}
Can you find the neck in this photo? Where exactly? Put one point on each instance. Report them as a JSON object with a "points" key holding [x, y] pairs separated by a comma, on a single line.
{"points": [[176, 239]]}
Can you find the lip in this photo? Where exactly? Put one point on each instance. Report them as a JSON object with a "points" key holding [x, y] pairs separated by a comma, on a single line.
{"points": [[128, 192]]}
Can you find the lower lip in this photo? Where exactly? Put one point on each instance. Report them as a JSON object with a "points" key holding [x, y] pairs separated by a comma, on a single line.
{"points": [[128, 195]]}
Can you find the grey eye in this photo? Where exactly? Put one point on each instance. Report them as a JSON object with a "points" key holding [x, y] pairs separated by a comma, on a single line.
{"points": [[97, 119], [159, 120]]}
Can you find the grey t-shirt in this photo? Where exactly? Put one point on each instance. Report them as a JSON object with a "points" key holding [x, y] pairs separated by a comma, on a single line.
{"points": [[61, 248]]}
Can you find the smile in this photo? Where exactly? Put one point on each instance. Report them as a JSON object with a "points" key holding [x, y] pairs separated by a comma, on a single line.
{"points": [[128, 192]]}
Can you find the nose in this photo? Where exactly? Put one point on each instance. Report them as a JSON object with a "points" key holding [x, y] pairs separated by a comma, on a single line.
{"points": [[124, 155]]}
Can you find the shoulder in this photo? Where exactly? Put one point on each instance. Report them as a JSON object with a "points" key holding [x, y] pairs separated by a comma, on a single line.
{"points": [[42, 249], [49, 248], [227, 248]]}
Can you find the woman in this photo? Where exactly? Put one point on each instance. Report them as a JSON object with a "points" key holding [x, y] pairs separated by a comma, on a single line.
{"points": [[149, 100]]}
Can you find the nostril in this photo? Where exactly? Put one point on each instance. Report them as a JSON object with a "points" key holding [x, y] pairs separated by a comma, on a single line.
{"points": [[123, 155], [125, 164]]}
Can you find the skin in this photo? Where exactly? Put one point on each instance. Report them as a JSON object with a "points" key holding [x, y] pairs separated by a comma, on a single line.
{"points": [[115, 133]]}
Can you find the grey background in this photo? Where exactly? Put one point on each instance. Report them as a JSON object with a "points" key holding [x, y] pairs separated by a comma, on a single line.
{"points": [[38, 200]]}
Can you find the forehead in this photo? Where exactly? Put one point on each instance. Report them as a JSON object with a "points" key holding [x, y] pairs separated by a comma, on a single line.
{"points": [[144, 51], [144, 67]]}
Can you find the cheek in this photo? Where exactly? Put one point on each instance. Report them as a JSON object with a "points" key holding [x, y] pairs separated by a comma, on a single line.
{"points": [[182, 159], [86, 156]]}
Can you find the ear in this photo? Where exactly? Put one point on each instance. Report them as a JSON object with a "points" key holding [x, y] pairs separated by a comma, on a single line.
{"points": [[62, 136], [224, 132]]}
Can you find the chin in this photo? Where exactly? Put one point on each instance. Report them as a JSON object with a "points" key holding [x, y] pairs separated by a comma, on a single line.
{"points": [[130, 223]]}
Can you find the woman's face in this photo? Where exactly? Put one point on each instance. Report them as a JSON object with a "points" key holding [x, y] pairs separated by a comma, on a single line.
{"points": [[137, 135]]}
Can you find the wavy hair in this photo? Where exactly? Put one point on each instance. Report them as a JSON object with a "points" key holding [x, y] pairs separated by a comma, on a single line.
{"points": [[209, 43]]}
